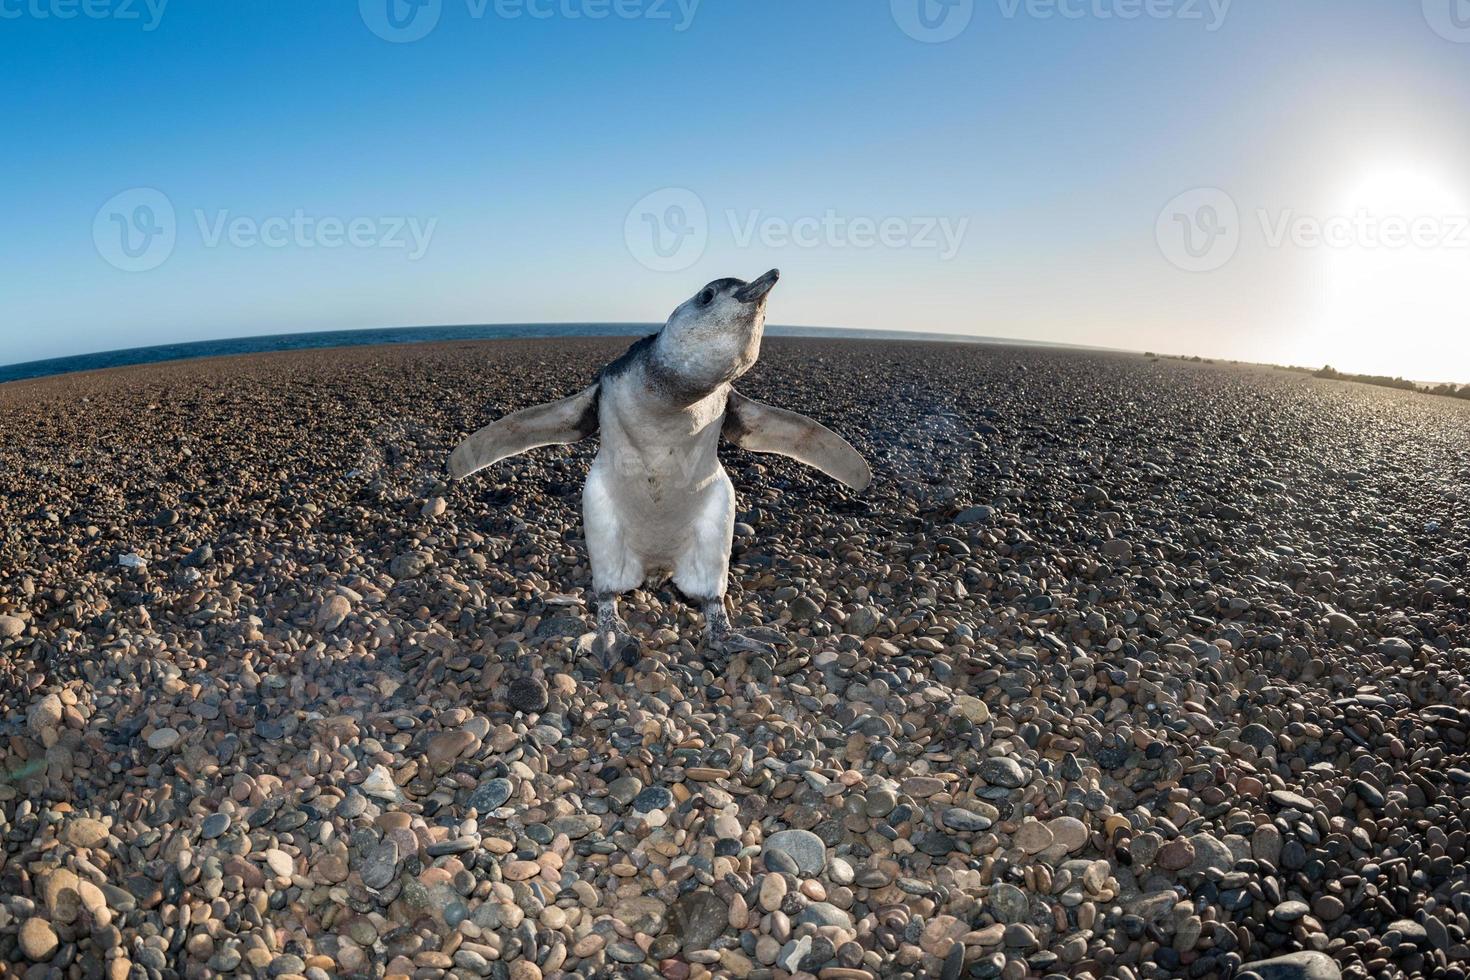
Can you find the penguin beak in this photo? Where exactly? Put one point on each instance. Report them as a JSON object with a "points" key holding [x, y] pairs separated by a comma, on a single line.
{"points": [[754, 292]]}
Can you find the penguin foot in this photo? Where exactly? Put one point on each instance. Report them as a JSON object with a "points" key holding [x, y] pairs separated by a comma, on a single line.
{"points": [[617, 645], [731, 642]]}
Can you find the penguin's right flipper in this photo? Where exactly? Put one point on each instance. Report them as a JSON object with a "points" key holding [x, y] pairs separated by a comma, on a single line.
{"points": [[553, 424], [763, 428]]}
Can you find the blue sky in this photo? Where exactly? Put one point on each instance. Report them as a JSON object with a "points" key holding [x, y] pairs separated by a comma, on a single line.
{"points": [[1035, 175]]}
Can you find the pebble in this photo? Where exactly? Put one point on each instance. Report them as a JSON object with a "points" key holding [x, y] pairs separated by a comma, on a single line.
{"points": [[527, 694], [490, 795], [803, 847], [1009, 903], [698, 918], [1306, 965], [379, 784], [163, 738], [772, 892], [1004, 772], [44, 717], [653, 798], [86, 832], [1176, 855], [37, 939], [1033, 837]]}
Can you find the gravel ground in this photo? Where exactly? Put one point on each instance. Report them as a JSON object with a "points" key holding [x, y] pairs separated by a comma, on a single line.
{"points": [[1120, 669]]}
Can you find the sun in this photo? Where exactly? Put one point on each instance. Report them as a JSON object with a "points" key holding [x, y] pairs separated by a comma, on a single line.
{"points": [[1395, 294]]}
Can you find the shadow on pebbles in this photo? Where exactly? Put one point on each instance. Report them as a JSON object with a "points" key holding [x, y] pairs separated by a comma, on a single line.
{"points": [[1121, 669]]}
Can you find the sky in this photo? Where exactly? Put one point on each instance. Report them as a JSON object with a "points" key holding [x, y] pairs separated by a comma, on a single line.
{"points": [[1270, 180]]}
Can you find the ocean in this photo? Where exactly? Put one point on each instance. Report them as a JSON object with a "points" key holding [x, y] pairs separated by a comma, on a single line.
{"points": [[415, 335]]}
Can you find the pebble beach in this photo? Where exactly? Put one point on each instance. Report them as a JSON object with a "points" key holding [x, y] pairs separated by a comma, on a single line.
{"points": [[1121, 668]]}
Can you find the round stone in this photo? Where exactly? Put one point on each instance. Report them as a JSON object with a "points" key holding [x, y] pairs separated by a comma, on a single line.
{"points": [[1068, 833], [86, 832], [625, 952], [44, 716], [1290, 911], [279, 862], [972, 708], [37, 939], [490, 795], [653, 798], [1176, 854], [804, 848], [880, 801], [1033, 837], [698, 918], [1004, 771], [960, 819], [1328, 908], [1008, 903], [1306, 965], [527, 694], [824, 914], [772, 892], [163, 738]]}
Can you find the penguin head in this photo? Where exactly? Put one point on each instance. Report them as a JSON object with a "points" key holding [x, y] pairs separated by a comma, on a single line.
{"points": [[715, 336]]}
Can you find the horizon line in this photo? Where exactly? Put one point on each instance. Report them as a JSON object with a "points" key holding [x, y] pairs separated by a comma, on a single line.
{"points": [[642, 327], [647, 325]]}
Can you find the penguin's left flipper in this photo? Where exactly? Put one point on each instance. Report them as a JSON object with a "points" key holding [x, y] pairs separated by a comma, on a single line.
{"points": [[763, 428], [553, 424]]}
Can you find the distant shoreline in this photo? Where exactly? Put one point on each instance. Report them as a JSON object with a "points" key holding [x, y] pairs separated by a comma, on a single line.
{"points": [[392, 336], [1446, 389], [323, 339]]}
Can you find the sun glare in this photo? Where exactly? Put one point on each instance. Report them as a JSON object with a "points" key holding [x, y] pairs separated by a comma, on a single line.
{"points": [[1396, 277]]}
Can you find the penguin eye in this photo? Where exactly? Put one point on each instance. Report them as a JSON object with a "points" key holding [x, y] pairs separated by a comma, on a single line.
{"points": [[706, 298]]}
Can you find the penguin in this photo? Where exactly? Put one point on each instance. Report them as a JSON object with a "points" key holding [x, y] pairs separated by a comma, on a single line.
{"points": [[658, 505]]}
